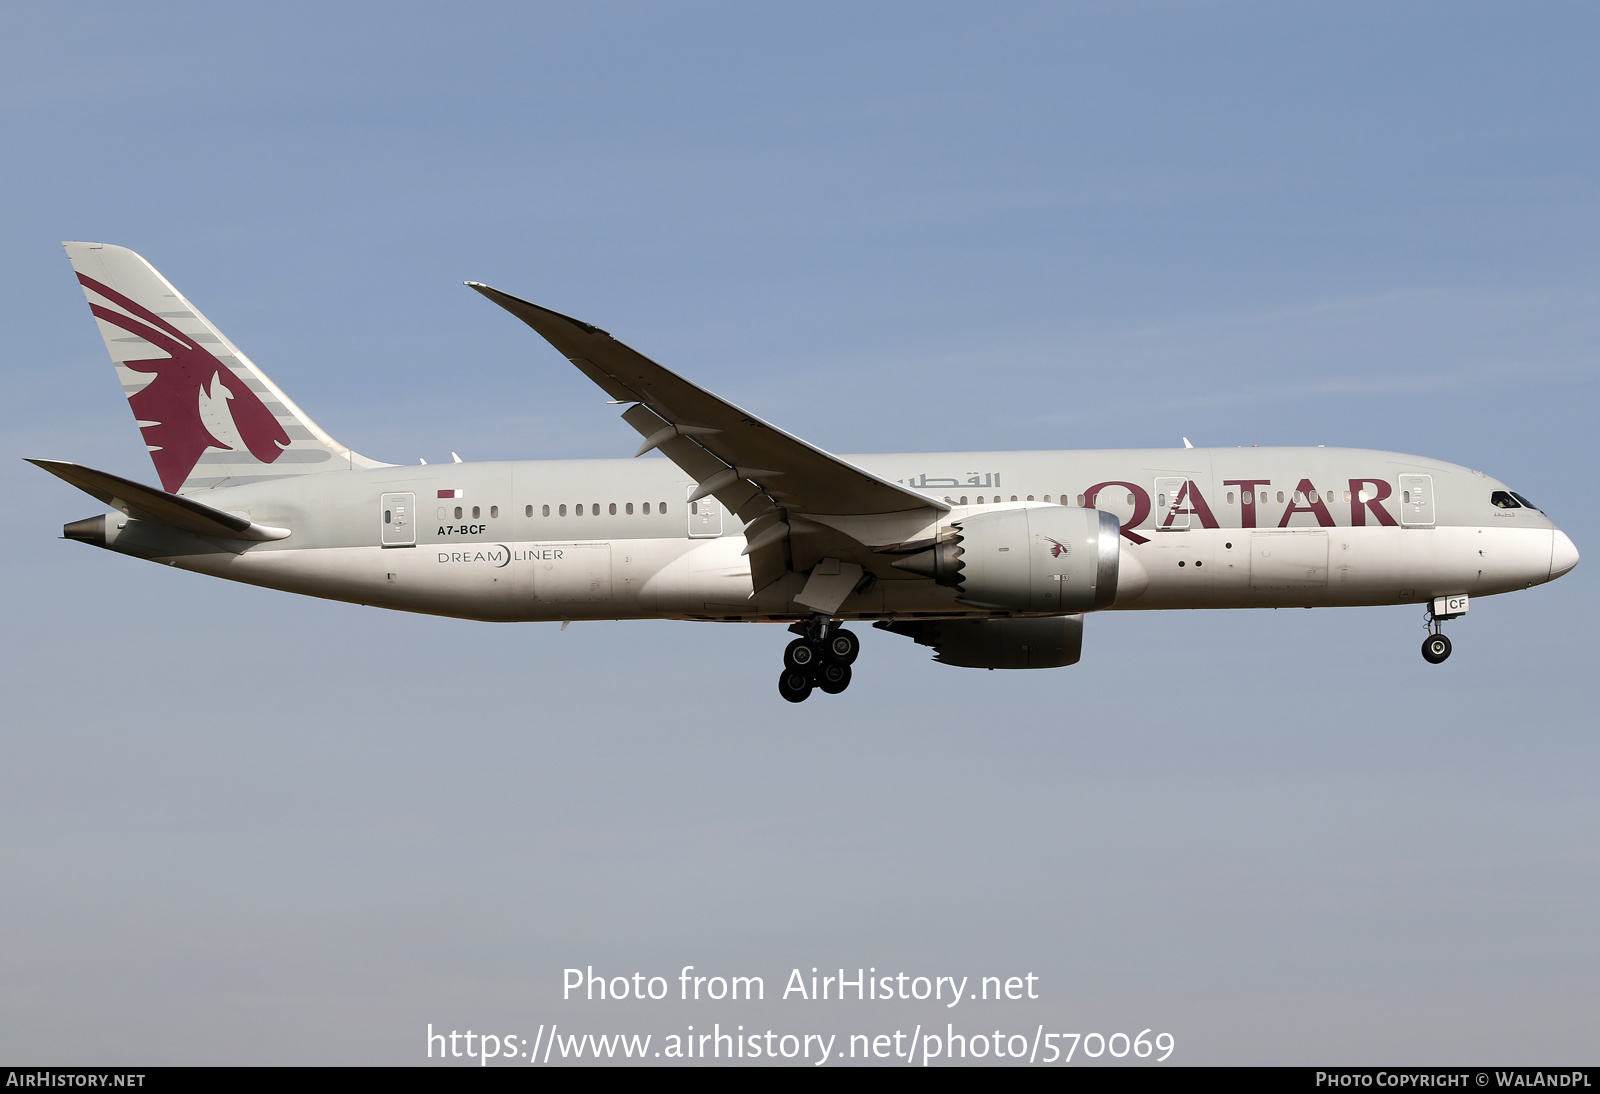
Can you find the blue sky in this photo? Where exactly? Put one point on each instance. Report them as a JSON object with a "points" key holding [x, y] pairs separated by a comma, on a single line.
{"points": [[237, 826]]}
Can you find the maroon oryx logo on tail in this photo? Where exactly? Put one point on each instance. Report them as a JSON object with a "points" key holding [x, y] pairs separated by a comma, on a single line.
{"points": [[177, 435]]}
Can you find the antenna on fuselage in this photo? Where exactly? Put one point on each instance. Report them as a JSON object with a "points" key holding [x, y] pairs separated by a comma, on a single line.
{"points": [[1186, 443]]}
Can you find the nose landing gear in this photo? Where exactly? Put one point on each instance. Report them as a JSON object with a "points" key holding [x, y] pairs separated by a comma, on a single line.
{"points": [[1436, 647], [819, 659]]}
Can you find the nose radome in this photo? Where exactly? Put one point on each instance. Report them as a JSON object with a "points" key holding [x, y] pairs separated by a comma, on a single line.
{"points": [[1563, 555]]}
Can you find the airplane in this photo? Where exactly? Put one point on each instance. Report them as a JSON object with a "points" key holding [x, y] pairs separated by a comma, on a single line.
{"points": [[991, 559]]}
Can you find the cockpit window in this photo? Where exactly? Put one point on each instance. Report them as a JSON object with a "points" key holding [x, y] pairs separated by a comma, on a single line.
{"points": [[1504, 499], [1526, 502]]}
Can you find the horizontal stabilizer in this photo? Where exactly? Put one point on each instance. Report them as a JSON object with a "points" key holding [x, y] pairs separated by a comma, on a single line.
{"points": [[157, 506]]}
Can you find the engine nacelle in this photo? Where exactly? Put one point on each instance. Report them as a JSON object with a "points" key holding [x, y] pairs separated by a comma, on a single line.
{"points": [[1044, 558], [1046, 643]]}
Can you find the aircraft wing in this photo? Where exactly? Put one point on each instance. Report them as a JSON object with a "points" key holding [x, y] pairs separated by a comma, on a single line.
{"points": [[770, 478]]}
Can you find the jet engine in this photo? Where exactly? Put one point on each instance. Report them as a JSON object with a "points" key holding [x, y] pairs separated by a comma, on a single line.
{"points": [[1045, 558], [1046, 643]]}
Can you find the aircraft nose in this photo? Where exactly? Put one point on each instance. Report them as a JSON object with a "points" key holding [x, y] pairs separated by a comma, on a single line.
{"points": [[1563, 555]]}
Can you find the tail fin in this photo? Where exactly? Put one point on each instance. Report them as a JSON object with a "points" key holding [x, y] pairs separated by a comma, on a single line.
{"points": [[208, 415]]}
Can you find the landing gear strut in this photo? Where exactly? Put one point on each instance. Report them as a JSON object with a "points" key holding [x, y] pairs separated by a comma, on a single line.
{"points": [[1436, 647], [820, 658]]}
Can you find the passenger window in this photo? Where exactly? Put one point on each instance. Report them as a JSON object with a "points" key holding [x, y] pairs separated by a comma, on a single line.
{"points": [[528, 512], [386, 515], [1502, 499], [577, 510], [1130, 499], [1030, 497], [694, 508], [647, 509], [1406, 494], [546, 511], [1264, 497], [661, 507], [1280, 497], [1047, 497], [475, 512], [458, 512], [1014, 498], [963, 499], [613, 508], [563, 510], [1230, 497], [1346, 495], [595, 509], [1080, 500], [980, 499]]}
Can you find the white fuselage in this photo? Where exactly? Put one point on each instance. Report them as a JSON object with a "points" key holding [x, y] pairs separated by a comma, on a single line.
{"points": [[616, 539]]}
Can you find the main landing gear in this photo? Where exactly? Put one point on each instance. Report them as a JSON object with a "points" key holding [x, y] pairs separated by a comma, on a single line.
{"points": [[1436, 647], [820, 658]]}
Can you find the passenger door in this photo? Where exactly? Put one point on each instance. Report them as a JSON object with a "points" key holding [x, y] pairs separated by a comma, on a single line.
{"points": [[1167, 494], [705, 517], [1416, 501], [398, 515]]}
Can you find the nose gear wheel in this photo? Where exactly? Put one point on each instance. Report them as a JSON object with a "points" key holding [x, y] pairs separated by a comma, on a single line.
{"points": [[1436, 647]]}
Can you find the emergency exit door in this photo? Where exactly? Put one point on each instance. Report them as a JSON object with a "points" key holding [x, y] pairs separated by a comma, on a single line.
{"points": [[398, 513]]}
